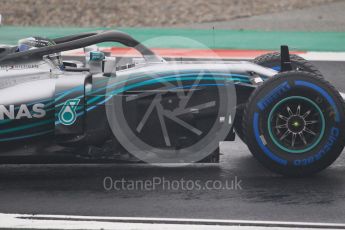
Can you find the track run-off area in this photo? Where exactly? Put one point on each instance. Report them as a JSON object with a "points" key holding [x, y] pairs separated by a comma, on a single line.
{"points": [[78, 189]]}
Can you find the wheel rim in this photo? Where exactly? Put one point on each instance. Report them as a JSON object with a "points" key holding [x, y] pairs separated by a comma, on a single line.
{"points": [[296, 124]]}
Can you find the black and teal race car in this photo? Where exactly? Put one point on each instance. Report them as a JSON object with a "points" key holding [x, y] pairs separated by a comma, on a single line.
{"points": [[158, 111]]}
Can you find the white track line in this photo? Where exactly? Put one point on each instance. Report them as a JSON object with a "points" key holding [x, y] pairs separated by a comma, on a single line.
{"points": [[309, 55], [25, 221], [324, 56]]}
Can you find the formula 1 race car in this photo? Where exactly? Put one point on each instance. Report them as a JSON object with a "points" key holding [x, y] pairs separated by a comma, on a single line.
{"points": [[157, 111]]}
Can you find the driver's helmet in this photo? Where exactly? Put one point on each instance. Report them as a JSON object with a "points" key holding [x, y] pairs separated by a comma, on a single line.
{"points": [[39, 42]]}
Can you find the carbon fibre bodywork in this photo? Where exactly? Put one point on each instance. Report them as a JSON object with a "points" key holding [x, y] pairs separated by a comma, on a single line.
{"points": [[43, 106]]}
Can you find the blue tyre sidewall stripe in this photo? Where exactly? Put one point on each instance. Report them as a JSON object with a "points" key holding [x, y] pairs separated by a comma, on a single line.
{"points": [[256, 119], [262, 146], [324, 93]]}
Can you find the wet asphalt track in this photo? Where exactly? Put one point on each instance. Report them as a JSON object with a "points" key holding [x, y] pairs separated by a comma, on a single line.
{"points": [[78, 189]]}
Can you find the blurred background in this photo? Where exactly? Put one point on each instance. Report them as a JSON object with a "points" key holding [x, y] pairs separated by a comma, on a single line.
{"points": [[236, 29], [142, 13], [308, 25]]}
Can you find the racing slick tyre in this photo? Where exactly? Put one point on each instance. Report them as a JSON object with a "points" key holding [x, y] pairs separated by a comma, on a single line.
{"points": [[272, 60], [294, 123]]}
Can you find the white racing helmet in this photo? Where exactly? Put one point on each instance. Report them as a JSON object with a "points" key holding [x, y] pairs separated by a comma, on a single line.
{"points": [[39, 42]]}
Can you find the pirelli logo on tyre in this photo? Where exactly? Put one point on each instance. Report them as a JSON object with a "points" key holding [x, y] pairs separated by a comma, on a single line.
{"points": [[273, 95]]}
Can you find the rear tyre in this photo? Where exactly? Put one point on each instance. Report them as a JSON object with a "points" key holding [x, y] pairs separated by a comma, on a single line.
{"points": [[272, 60], [294, 123]]}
